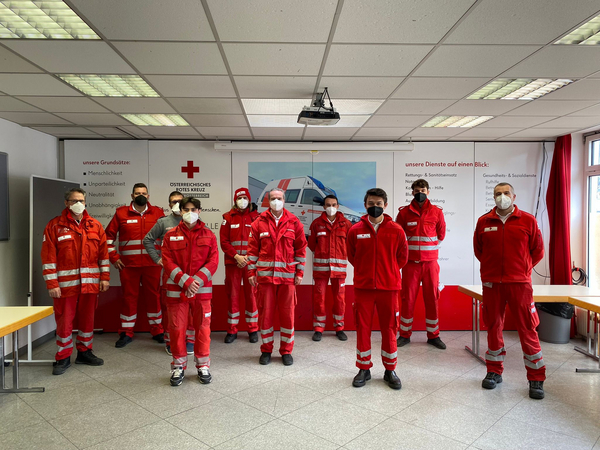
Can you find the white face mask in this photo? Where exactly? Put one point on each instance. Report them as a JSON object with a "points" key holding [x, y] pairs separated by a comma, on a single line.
{"points": [[175, 209], [331, 210], [190, 217], [503, 201], [242, 203], [77, 208], [276, 205]]}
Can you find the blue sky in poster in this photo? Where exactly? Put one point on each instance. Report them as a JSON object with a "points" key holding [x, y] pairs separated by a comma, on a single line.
{"points": [[350, 180]]}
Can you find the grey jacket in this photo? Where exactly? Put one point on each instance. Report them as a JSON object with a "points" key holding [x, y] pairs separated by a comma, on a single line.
{"points": [[158, 231]]}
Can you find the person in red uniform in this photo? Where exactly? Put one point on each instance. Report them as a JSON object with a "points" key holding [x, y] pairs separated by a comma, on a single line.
{"points": [[327, 241], [131, 224], [377, 248], [425, 229], [190, 259], [234, 233], [277, 255], [76, 268], [508, 243]]}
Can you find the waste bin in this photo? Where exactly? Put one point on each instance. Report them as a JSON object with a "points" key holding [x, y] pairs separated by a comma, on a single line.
{"points": [[553, 329]]}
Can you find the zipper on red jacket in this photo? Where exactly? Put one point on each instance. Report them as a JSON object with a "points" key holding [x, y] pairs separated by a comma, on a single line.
{"points": [[375, 265]]}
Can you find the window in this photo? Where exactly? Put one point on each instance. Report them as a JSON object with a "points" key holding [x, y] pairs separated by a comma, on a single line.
{"points": [[593, 211], [308, 195], [291, 196]]}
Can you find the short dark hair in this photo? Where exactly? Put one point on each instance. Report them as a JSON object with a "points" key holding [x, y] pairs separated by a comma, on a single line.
{"points": [[333, 197], [376, 192], [505, 184], [192, 200], [173, 194], [138, 185], [420, 183], [70, 191]]}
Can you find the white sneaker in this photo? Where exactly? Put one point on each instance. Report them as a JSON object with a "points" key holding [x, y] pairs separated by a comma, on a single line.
{"points": [[177, 376], [204, 375]]}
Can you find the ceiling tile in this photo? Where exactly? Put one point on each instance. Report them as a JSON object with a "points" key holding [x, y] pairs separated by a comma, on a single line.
{"points": [[580, 90], [275, 87], [94, 119], [374, 60], [186, 58], [273, 20], [147, 20], [9, 62], [406, 107], [541, 133], [278, 138], [206, 105], [393, 21], [287, 132], [390, 133], [136, 105], [479, 132], [516, 121], [591, 111], [481, 107], [559, 61], [110, 132], [219, 120], [33, 84], [67, 131], [373, 138], [439, 88], [274, 59], [383, 121], [360, 87], [351, 121], [274, 121], [136, 131], [433, 133], [549, 108], [73, 56], [473, 60], [224, 132], [578, 123], [520, 22], [12, 104], [26, 118], [274, 106], [192, 85], [65, 104], [522, 139], [340, 132], [326, 138], [171, 131]]}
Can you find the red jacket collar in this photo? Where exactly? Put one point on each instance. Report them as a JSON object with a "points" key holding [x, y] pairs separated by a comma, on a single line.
{"points": [[338, 215], [135, 211], [67, 217], [285, 216], [493, 215], [367, 222]]}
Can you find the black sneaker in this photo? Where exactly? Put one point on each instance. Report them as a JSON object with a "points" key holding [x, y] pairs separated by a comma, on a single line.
{"points": [[160, 338], [361, 378], [61, 366], [265, 359], [341, 335], [168, 350], [123, 340], [392, 379], [491, 380], [88, 358], [536, 390], [287, 359], [402, 341], [229, 338], [437, 343], [177, 376], [204, 375], [253, 337], [317, 336]]}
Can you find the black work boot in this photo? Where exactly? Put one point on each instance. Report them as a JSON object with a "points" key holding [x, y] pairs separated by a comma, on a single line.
{"points": [[253, 337], [361, 378], [230, 337], [437, 343], [491, 380], [160, 338], [392, 379], [287, 359], [536, 390], [61, 366], [264, 359], [341, 335], [123, 340], [317, 336], [88, 358], [402, 341]]}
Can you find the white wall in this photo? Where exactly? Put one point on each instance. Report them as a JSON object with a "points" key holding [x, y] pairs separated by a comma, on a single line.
{"points": [[29, 153]]}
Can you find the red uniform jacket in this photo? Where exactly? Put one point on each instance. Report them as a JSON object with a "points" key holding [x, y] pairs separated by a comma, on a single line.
{"points": [[328, 243], [74, 256], [132, 227], [277, 253], [508, 251], [234, 232], [377, 257], [425, 229], [189, 255]]}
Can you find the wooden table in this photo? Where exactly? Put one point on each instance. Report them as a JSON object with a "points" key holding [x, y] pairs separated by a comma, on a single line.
{"points": [[12, 319], [592, 306], [542, 293]]}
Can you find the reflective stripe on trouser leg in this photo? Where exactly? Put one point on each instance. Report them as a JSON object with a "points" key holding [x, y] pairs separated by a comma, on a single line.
{"points": [[178, 321], [411, 278], [495, 355], [493, 311], [165, 315], [430, 279], [286, 305], [86, 307], [150, 294], [131, 277], [364, 305], [266, 313], [190, 335], [338, 288], [64, 313], [233, 280], [250, 301], [202, 318], [319, 314], [386, 303]]}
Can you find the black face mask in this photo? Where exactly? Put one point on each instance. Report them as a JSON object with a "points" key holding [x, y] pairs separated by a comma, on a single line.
{"points": [[420, 197], [140, 200], [375, 211]]}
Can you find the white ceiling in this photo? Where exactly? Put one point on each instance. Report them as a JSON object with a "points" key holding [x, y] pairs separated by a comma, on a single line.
{"points": [[212, 61]]}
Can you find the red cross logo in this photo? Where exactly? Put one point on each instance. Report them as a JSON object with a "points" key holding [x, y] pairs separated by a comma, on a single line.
{"points": [[303, 212], [190, 169]]}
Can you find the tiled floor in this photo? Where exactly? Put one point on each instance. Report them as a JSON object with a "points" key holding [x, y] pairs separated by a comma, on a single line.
{"points": [[129, 404]]}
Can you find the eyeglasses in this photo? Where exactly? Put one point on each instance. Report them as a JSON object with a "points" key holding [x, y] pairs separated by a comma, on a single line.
{"points": [[72, 202]]}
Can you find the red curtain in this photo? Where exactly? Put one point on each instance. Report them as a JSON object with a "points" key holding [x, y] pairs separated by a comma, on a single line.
{"points": [[559, 212]]}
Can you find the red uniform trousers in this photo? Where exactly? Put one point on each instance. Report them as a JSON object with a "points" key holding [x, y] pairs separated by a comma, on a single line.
{"points": [[338, 288], [365, 301], [179, 312], [190, 333], [149, 277], [66, 310], [282, 297], [519, 297], [233, 282], [413, 274]]}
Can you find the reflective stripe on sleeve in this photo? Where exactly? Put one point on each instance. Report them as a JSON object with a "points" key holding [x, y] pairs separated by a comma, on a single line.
{"points": [[49, 266]]}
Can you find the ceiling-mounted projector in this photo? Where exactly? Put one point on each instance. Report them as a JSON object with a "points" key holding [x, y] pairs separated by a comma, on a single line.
{"points": [[317, 113]]}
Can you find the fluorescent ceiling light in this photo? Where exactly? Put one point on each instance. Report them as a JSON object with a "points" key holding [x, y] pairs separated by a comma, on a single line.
{"points": [[48, 19], [110, 85], [306, 146], [586, 34], [294, 105], [456, 121], [156, 120], [273, 121], [518, 89]]}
